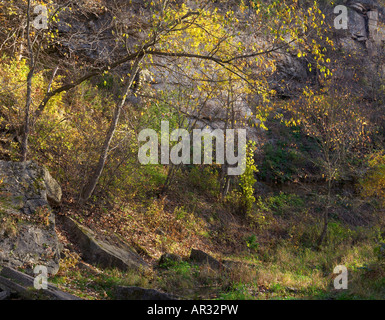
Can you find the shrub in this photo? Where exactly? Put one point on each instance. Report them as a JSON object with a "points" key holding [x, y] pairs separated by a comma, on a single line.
{"points": [[247, 179], [373, 183]]}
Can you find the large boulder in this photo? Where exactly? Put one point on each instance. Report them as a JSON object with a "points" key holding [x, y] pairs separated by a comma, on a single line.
{"points": [[27, 229], [138, 293], [169, 259], [99, 252], [25, 186], [20, 285], [202, 258]]}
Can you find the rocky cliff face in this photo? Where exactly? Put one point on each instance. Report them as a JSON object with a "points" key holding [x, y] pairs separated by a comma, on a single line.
{"points": [[361, 52], [89, 36], [27, 223], [365, 27]]}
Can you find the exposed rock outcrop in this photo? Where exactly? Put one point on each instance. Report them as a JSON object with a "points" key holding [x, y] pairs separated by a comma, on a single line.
{"points": [[201, 257], [169, 258], [21, 285], [101, 253], [27, 231], [138, 293], [25, 186], [365, 27]]}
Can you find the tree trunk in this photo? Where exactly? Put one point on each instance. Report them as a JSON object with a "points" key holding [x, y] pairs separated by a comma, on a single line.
{"points": [[24, 142], [226, 187], [169, 179], [224, 181], [322, 237], [89, 187], [28, 102]]}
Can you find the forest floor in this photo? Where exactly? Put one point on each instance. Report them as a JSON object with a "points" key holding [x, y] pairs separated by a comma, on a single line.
{"points": [[278, 256]]}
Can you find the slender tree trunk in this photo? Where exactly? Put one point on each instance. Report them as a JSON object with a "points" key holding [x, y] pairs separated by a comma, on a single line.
{"points": [[28, 102], [24, 142], [21, 45], [169, 179], [224, 181], [322, 237], [172, 169], [226, 186], [224, 177], [89, 187]]}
